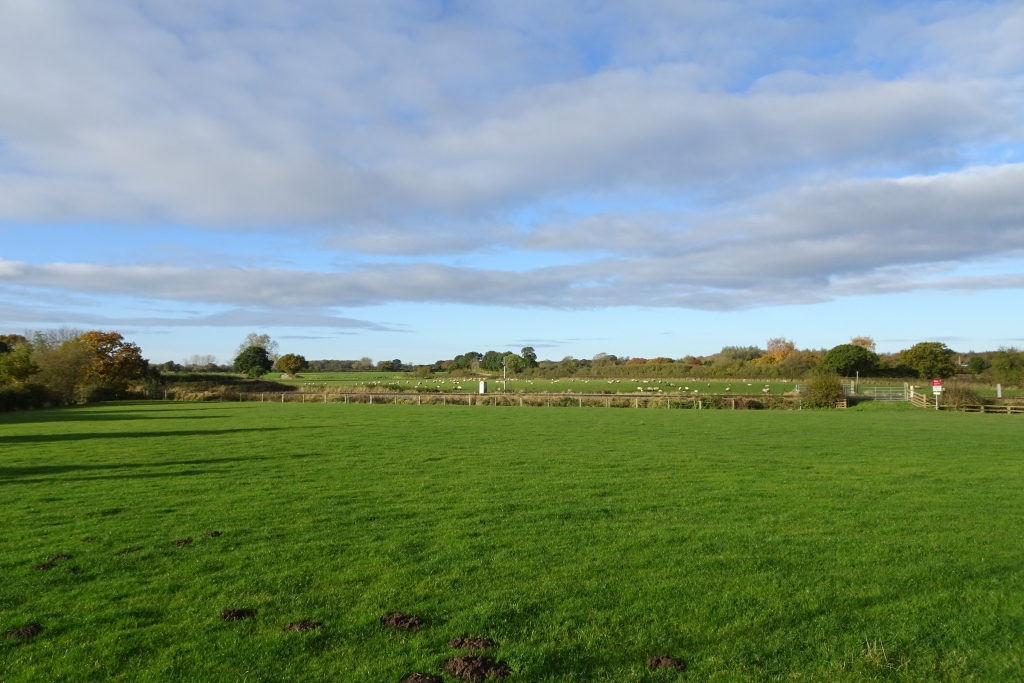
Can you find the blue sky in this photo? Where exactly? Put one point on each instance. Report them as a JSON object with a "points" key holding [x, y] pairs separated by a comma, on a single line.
{"points": [[418, 179]]}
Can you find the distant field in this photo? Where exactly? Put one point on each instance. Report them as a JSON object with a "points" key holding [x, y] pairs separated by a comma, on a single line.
{"points": [[442, 383], [879, 543]]}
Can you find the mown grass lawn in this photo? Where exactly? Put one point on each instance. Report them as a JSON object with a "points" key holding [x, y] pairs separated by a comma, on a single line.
{"points": [[876, 543]]}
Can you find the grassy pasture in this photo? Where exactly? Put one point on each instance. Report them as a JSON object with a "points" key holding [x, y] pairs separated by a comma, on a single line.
{"points": [[525, 385], [880, 543]]}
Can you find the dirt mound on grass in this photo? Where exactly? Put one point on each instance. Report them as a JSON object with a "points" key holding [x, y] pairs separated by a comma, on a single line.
{"points": [[43, 566], [400, 621], [422, 678], [25, 632], [213, 534], [59, 556], [665, 662], [237, 614], [129, 551], [302, 626], [468, 643], [474, 668], [88, 539], [182, 541]]}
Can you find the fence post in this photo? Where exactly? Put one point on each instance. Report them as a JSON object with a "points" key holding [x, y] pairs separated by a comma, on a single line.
{"points": [[282, 397]]}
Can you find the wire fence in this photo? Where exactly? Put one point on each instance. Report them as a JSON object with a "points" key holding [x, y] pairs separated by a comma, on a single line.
{"points": [[718, 402]]}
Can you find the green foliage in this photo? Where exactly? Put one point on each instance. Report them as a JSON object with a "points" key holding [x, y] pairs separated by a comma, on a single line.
{"points": [[27, 397], [465, 361], [978, 365], [1008, 365], [846, 360], [291, 363], [752, 544], [17, 365], [491, 361], [390, 365], [64, 366], [529, 356], [738, 353], [824, 391], [515, 364], [253, 361], [929, 360]]}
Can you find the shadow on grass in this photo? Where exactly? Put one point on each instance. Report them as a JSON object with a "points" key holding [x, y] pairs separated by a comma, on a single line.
{"points": [[52, 438], [42, 473]]}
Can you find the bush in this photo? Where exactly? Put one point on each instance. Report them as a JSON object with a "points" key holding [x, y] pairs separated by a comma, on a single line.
{"points": [[27, 397], [96, 393], [824, 391], [957, 397]]}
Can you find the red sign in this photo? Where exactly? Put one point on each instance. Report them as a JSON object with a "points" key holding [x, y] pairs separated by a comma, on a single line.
{"points": [[936, 382]]}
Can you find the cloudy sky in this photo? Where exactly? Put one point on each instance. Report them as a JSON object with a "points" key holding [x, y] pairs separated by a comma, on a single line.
{"points": [[415, 179]]}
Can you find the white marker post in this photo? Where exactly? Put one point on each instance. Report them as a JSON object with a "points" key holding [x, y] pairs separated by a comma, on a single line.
{"points": [[937, 390], [999, 391]]}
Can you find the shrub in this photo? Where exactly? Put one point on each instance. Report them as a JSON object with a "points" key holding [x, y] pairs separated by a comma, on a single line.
{"points": [[95, 393], [824, 391], [27, 397], [956, 396]]}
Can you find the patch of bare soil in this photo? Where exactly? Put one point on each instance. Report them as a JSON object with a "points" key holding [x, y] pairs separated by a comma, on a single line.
{"points": [[213, 534], [302, 626], [237, 614], [422, 678], [25, 632], [129, 551], [474, 668], [88, 539], [43, 566], [400, 621], [182, 541], [59, 556], [469, 643], [666, 662]]}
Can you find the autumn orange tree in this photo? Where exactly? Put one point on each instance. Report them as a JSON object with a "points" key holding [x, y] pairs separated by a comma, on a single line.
{"points": [[114, 362]]}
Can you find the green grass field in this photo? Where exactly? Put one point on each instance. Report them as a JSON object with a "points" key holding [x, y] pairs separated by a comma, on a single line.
{"points": [[355, 381], [880, 543]]}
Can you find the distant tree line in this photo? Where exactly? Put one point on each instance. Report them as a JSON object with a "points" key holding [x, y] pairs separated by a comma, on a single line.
{"points": [[65, 366]]}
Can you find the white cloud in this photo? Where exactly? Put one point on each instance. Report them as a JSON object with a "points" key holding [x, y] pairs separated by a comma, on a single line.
{"points": [[798, 246], [853, 151]]}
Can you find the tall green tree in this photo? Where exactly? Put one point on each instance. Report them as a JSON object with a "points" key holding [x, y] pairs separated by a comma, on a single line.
{"points": [[529, 356], [253, 361], [929, 359], [1008, 365], [847, 359]]}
